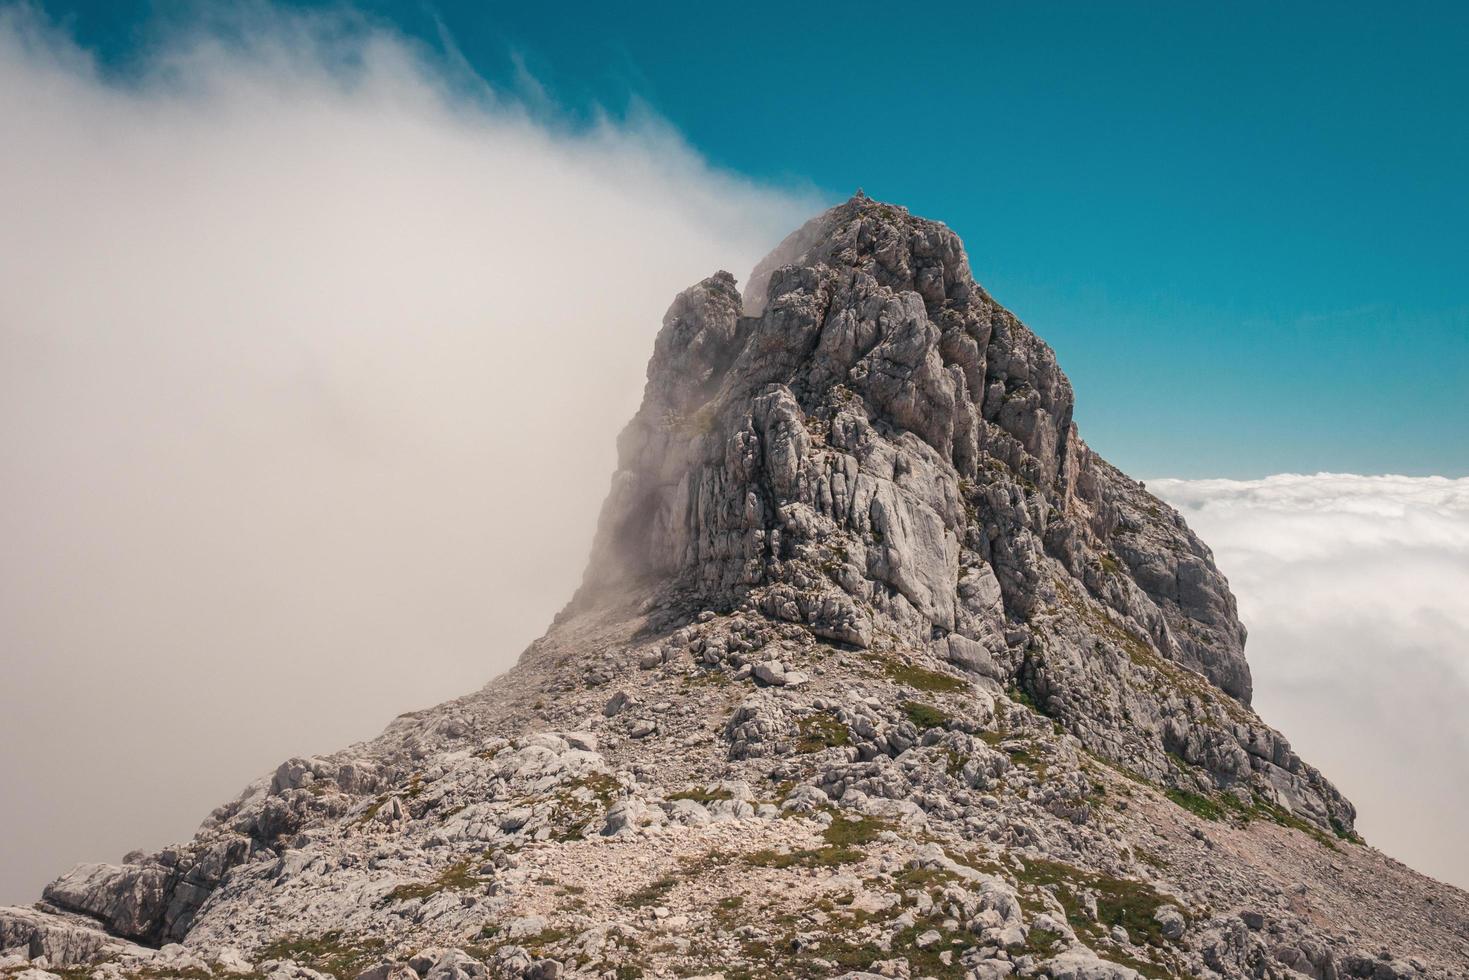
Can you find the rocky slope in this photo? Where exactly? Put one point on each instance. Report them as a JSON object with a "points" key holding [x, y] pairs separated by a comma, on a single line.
{"points": [[876, 669]]}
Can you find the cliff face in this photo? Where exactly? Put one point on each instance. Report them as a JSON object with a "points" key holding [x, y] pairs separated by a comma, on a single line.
{"points": [[875, 667], [878, 449]]}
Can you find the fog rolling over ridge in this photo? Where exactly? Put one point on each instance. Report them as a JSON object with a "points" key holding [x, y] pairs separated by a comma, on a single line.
{"points": [[310, 378]]}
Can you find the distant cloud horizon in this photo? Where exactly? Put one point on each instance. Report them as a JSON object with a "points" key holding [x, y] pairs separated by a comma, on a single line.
{"points": [[1354, 589]]}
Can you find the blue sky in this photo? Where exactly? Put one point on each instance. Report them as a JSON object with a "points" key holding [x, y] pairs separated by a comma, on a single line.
{"points": [[1242, 227]]}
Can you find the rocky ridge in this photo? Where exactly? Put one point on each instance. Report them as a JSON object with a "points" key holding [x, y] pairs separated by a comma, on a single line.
{"points": [[876, 669]]}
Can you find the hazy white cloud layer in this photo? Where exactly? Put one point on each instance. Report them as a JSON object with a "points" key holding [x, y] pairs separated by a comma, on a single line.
{"points": [[1355, 590], [312, 358]]}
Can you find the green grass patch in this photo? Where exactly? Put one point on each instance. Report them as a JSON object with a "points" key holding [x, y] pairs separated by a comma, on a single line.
{"points": [[652, 893], [843, 839], [861, 831], [153, 973], [706, 677], [821, 731], [1120, 901], [331, 952], [1151, 859], [928, 962], [1198, 804], [924, 716], [689, 868], [373, 810], [1224, 806], [702, 795], [456, 877], [1021, 697], [1043, 942], [603, 786], [925, 878], [781, 959], [920, 679], [1152, 971], [1266, 810], [546, 937], [1340, 830]]}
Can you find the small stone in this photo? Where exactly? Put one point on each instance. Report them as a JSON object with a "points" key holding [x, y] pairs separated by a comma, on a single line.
{"points": [[525, 925], [230, 960], [388, 971], [630, 815], [423, 960], [771, 672], [583, 741], [455, 964], [1170, 922]]}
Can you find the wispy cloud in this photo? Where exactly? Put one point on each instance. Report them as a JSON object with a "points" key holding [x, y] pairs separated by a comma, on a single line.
{"points": [[1353, 588], [313, 351]]}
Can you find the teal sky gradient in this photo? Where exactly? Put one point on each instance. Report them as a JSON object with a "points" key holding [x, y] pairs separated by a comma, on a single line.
{"points": [[1244, 227]]}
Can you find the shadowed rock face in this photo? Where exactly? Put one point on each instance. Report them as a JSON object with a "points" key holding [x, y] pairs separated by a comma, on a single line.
{"points": [[884, 448], [875, 665]]}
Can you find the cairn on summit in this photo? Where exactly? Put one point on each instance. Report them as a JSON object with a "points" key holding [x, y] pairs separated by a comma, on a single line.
{"points": [[876, 670]]}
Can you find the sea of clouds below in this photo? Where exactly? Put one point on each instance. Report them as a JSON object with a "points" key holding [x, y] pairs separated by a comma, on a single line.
{"points": [[1355, 590]]}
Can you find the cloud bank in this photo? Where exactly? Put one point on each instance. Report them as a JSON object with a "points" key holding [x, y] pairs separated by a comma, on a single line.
{"points": [[313, 351], [1354, 591]]}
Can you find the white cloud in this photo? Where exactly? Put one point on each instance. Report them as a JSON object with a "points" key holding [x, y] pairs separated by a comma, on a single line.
{"points": [[313, 351], [1355, 590]]}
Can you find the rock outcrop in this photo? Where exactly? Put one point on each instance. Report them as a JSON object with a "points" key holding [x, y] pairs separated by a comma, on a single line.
{"points": [[876, 670], [887, 450]]}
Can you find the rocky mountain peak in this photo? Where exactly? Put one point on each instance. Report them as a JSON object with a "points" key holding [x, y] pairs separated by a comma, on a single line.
{"points": [[876, 670], [873, 445]]}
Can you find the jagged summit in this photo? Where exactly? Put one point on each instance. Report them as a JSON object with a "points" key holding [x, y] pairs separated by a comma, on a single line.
{"points": [[885, 446], [875, 667]]}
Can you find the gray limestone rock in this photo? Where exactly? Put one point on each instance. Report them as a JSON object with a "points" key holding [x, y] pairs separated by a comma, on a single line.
{"points": [[129, 899], [875, 663], [885, 449], [61, 941]]}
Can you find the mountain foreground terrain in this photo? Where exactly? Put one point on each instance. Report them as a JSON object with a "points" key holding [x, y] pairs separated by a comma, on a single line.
{"points": [[876, 669]]}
